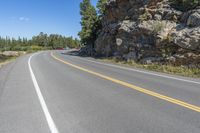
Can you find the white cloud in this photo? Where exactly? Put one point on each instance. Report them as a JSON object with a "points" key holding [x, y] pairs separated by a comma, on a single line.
{"points": [[24, 18]]}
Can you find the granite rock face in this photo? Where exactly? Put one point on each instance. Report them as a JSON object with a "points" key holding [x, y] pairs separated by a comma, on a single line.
{"points": [[150, 31]]}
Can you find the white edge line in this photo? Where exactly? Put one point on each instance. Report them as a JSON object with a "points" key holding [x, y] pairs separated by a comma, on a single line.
{"points": [[149, 73], [49, 119]]}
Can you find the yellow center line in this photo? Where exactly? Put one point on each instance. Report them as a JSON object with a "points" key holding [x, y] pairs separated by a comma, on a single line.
{"points": [[134, 87]]}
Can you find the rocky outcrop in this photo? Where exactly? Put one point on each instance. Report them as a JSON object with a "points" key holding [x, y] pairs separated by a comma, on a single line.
{"points": [[12, 53], [150, 31]]}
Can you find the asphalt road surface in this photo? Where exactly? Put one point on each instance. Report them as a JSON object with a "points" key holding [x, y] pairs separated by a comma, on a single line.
{"points": [[54, 92]]}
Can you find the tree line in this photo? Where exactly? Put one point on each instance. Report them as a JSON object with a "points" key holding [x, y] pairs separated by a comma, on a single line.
{"points": [[40, 42], [90, 22]]}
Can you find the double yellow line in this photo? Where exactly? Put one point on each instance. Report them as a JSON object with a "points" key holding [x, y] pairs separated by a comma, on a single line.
{"points": [[137, 88]]}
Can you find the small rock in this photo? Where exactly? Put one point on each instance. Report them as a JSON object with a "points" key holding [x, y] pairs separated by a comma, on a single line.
{"points": [[119, 41]]}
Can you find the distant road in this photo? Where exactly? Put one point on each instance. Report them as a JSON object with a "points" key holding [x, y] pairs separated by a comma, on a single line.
{"points": [[61, 93]]}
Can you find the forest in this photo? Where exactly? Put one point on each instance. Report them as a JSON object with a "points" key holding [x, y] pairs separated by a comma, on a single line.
{"points": [[40, 42]]}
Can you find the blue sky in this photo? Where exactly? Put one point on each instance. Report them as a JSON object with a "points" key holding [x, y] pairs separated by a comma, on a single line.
{"points": [[26, 18]]}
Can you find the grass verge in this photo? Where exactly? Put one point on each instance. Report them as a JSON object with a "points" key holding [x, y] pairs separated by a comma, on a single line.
{"points": [[169, 69], [6, 59]]}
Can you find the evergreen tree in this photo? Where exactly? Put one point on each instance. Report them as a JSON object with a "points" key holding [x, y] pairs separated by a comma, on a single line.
{"points": [[89, 23], [39, 42], [101, 6]]}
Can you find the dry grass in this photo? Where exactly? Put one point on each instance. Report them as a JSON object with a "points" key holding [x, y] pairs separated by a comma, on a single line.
{"points": [[177, 70], [5, 59]]}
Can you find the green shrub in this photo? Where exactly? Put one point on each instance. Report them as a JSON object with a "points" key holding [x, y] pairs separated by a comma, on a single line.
{"points": [[36, 48], [4, 58], [19, 48], [185, 5]]}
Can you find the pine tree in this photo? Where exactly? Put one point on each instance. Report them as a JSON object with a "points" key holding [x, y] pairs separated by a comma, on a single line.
{"points": [[89, 23], [101, 6]]}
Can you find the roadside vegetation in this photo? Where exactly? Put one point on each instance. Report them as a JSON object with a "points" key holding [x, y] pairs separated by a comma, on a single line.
{"points": [[5, 59], [11, 48], [39, 42], [169, 69]]}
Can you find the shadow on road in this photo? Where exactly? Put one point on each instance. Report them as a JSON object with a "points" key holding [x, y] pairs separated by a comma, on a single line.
{"points": [[80, 54]]}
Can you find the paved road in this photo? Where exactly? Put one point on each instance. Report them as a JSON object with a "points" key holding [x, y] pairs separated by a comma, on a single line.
{"points": [[70, 94]]}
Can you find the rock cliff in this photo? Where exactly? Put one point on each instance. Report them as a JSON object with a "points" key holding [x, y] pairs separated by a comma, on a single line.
{"points": [[150, 31]]}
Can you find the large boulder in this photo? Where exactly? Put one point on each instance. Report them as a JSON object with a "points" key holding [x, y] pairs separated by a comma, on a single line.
{"points": [[194, 19], [187, 38]]}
